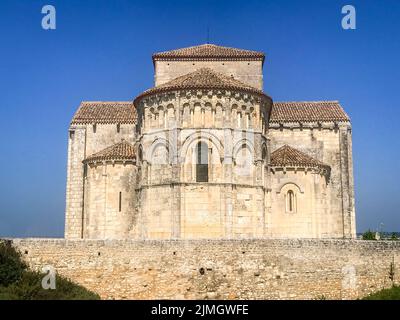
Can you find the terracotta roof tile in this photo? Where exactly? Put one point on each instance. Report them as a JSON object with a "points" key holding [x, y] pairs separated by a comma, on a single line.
{"points": [[105, 112], [209, 52], [324, 111], [119, 151], [287, 156], [203, 78]]}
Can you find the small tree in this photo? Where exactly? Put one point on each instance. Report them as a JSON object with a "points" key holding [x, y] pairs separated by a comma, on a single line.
{"points": [[368, 235], [394, 236]]}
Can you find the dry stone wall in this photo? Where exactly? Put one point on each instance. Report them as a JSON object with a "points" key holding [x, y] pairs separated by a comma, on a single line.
{"points": [[220, 269]]}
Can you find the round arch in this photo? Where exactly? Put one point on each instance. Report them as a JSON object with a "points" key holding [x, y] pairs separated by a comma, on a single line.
{"points": [[239, 144], [291, 183], [156, 143], [201, 136]]}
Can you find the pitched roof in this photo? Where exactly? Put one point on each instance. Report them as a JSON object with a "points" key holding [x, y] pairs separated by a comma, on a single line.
{"points": [[119, 151], [308, 111], [203, 78], [209, 52], [287, 156], [105, 112]]}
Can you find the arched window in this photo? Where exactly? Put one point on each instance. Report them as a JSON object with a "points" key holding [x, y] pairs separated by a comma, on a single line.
{"points": [[201, 162], [290, 202]]}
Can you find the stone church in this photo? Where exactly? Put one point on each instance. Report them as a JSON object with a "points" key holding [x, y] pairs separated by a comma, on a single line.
{"points": [[207, 154]]}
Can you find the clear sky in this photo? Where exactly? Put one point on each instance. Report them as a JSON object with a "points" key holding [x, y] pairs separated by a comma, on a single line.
{"points": [[101, 50]]}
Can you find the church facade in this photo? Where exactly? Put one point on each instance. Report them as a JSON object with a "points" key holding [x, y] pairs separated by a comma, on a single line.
{"points": [[207, 154]]}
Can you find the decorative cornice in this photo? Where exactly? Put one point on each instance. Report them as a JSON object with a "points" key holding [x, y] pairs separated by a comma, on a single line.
{"points": [[319, 125]]}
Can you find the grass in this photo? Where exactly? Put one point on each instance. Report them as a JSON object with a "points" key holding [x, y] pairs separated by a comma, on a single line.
{"points": [[385, 294]]}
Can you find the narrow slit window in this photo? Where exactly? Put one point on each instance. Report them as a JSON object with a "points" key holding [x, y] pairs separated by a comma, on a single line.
{"points": [[140, 154], [120, 202]]}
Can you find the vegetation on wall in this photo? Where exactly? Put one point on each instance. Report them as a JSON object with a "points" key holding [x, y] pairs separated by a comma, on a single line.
{"points": [[17, 282], [392, 293]]}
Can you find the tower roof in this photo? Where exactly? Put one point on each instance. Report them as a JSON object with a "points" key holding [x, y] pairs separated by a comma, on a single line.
{"points": [[105, 112], [295, 111], [119, 151], [287, 156], [209, 52], [203, 78]]}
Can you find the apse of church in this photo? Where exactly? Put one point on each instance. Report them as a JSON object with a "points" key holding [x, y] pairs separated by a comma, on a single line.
{"points": [[206, 153]]}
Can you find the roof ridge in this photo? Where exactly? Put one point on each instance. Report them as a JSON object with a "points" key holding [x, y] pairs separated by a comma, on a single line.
{"points": [[208, 51]]}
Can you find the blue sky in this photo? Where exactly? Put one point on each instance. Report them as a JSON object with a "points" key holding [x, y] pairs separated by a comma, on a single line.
{"points": [[101, 50]]}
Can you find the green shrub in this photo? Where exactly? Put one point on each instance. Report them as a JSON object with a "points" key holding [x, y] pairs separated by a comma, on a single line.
{"points": [[385, 294], [17, 282], [394, 236], [29, 287], [368, 235], [11, 265]]}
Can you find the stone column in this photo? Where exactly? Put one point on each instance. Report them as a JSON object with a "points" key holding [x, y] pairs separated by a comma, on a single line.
{"points": [[347, 185], [175, 141]]}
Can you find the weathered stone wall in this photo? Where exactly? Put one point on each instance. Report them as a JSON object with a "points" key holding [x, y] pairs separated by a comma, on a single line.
{"points": [[110, 201], [249, 72], [83, 141], [310, 215], [220, 269], [330, 143]]}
